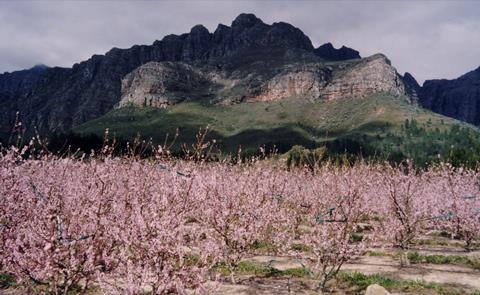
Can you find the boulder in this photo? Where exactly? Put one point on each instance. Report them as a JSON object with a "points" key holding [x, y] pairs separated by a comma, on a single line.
{"points": [[376, 290]]}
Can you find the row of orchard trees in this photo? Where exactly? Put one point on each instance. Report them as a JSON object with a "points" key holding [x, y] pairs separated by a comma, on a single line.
{"points": [[133, 226]]}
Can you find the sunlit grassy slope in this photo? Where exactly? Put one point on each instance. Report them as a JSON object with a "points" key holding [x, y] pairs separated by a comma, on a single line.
{"points": [[283, 123]]}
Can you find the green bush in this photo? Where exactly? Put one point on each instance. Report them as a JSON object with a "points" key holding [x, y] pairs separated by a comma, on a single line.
{"points": [[6, 280], [298, 156]]}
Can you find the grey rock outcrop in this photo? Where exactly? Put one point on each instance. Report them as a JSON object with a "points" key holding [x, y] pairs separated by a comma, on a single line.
{"points": [[370, 75], [162, 84], [159, 84], [376, 289], [304, 82]]}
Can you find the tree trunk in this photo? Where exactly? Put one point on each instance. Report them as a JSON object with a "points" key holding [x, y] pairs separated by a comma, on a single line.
{"points": [[404, 261]]}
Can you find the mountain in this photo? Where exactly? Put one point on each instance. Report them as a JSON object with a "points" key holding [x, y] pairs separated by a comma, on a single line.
{"points": [[458, 98], [58, 99], [66, 97], [253, 83]]}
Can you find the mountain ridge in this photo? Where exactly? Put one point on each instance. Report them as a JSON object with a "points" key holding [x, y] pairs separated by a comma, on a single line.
{"points": [[248, 61], [62, 98]]}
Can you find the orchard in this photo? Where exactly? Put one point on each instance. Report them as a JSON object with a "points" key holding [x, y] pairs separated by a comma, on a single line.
{"points": [[125, 225]]}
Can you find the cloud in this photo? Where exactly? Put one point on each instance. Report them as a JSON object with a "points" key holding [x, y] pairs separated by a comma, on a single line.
{"points": [[431, 39]]}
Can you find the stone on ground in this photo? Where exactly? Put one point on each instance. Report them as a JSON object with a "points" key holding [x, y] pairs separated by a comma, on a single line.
{"points": [[376, 290]]}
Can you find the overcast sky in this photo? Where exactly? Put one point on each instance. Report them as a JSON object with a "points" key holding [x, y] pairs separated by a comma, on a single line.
{"points": [[430, 39]]}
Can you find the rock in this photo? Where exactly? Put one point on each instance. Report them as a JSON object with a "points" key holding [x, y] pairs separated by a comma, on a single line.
{"points": [[21, 81], [412, 88], [166, 83], [303, 82], [458, 98], [376, 290], [328, 52], [196, 44], [159, 84], [370, 75], [246, 20]]}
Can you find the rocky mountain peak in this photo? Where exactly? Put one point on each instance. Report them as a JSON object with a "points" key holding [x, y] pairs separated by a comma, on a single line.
{"points": [[199, 30], [408, 78], [21, 81], [39, 67], [380, 56], [412, 87], [246, 20]]}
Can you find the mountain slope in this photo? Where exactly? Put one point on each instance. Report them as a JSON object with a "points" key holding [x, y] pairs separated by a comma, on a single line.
{"points": [[458, 98], [282, 122]]}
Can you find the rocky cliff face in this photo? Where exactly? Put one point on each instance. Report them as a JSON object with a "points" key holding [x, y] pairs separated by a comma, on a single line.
{"points": [[246, 61], [412, 87], [159, 84], [458, 98], [21, 81], [163, 84], [306, 81], [14, 88], [370, 75], [343, 80]]}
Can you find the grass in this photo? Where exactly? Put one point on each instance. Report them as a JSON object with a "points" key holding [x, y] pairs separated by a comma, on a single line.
{"points": [[300, 247], [379, 254], [416, 257], [362, 281], [261, 270], [264, 247], [432, 242]]}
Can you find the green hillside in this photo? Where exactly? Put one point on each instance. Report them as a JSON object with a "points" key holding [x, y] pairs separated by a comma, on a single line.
{"points": [[374, 125]]}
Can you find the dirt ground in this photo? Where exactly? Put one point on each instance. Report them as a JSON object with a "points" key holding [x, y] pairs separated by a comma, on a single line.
{"points": [[465, 279]]}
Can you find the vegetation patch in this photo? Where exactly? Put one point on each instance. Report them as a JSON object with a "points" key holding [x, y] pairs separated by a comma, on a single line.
{"points": [[354, 128], [6, 280], [362, 281], [378, 254], [416, 257], [261, 270]]}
